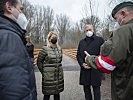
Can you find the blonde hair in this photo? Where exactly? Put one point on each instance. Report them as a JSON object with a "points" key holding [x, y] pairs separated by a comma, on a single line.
{"points": [[48, 37]]}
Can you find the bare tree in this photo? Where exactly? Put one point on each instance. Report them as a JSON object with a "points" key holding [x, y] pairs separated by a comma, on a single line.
{"points": [[90, 9], [74, 35], [113, 3], [62, 24], [43, 21], [48, 19], [91, 14], [40, 21], [95, 21], [29, 12]]}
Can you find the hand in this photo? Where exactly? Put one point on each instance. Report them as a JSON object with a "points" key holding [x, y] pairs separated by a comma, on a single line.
{"points": [[86, 66], [87, 54]]}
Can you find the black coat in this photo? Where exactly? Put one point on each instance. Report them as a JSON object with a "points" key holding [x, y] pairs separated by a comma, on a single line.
{"points": [[92, 46], [17, 79], [30, 49]]}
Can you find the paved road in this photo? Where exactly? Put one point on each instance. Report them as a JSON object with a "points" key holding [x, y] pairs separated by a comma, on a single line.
{"points": [[72, 91]]}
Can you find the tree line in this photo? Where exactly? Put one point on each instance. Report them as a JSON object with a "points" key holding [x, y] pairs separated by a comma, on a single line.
{"points": [[42, 20]]}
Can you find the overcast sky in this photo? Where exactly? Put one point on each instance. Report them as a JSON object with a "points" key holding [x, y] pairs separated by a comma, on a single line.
{"points": [[71, 8]]}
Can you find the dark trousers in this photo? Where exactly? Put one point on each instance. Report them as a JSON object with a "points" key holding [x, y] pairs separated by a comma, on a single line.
{"points": [[56, 97], [88, 94]]}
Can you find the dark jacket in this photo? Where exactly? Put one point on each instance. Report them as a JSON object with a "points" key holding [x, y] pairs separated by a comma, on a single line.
{"points": [[49, 64], [92, 46], [118, 53], [17, 79], [30, 49]]}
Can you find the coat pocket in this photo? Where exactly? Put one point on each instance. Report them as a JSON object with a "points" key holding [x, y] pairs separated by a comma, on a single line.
{"points": [[49, 73]]}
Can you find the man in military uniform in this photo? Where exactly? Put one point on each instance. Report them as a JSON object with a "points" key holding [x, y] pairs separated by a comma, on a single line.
{"points": [[116, 54]]}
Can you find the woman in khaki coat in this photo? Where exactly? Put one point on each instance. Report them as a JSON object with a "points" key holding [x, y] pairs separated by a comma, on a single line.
{"points": [[49, 64]]}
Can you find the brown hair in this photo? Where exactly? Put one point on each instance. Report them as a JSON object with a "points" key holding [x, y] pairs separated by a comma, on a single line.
{"points": [[3, 2], [29, 38]]}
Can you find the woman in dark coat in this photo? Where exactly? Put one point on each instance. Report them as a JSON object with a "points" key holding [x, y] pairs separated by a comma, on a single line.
{"points": [[89, 77], [49, 64], [30, 48]]}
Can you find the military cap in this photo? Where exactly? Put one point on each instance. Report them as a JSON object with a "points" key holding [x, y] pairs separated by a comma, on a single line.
{"points": [[120, 6]]}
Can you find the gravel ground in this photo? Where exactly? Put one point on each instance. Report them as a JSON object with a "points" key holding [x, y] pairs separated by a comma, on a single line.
{"points": [[72, 90], [106, 88]]}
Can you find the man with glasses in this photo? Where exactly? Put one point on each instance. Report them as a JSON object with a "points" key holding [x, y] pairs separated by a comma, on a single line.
{"points": [[17, 79]]}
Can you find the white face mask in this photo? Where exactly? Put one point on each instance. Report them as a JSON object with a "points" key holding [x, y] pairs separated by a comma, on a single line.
{"points": [[89, 33], [22, 21]]}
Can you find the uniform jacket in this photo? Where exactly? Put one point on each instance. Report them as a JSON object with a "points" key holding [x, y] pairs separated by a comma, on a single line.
{"points": [[92, 46], [49, 64], [17, 79], [117, 52]]}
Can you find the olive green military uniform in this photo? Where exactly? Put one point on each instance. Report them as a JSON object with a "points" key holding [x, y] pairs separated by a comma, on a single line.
{"points": [[49, 64], [116, 57]]}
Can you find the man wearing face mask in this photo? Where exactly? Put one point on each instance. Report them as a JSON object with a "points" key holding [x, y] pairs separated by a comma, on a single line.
{"points": [[116, 55], [89, 77], [17, 79]]}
